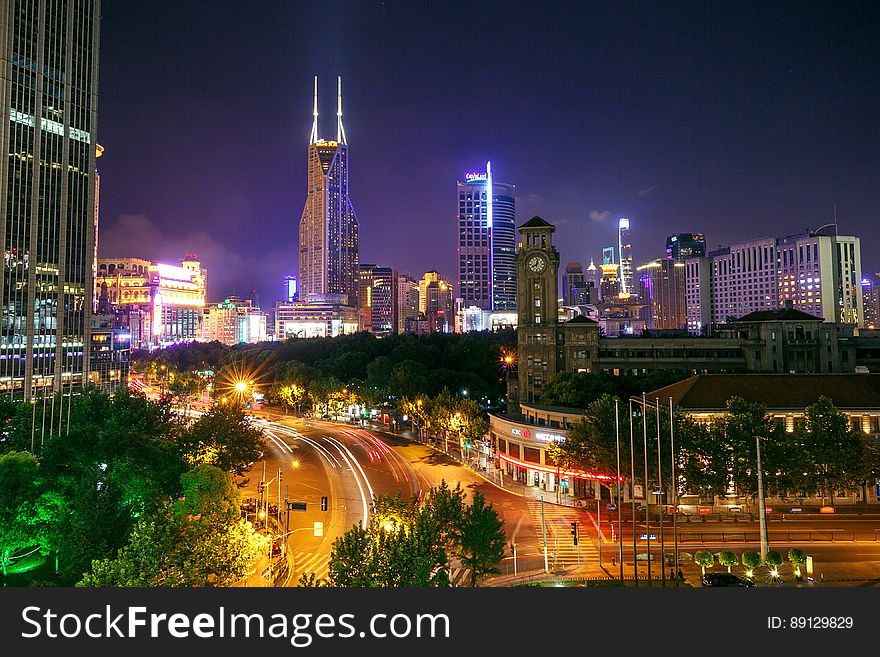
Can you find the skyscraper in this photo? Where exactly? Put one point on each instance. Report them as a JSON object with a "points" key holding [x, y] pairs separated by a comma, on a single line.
{"points": [[487, 241], [661, 284], [624, 250], [49, 100], [328, 229], [682, 246]]}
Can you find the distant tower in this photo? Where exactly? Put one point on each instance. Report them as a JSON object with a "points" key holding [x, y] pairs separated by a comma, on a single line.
{"points": [[624, 249], [328, 230]]}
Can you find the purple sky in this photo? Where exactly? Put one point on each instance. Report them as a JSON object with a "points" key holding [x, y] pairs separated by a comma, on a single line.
{"points": [[739, 120]]}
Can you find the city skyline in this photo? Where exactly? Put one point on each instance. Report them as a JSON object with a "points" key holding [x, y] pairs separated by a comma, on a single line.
{"points": [[696, 135]]}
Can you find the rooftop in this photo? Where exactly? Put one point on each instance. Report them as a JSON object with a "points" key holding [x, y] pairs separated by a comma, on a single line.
{"points": [[779, 315], [710, 392], [537, 222]]}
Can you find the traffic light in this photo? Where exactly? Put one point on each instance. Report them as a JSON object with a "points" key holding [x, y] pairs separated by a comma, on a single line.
{"points": [[262, 488], [324, 503], [574, 532]]}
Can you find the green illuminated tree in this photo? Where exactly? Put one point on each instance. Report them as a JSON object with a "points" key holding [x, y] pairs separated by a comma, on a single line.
{"points": [[200, 540], [18, 492]]}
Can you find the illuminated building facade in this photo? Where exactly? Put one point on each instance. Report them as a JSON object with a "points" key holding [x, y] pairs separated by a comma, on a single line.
{"points": [[661, 286], [624, 249], [407, 301], [819, 272], [160, 304], [234, 321], [49, 100], [377, 299], [682, 246], [487, 241], [871, 299], [576, 290], [328, 228], [290, 289], [609, 282], [436, 303], [320, 316]]}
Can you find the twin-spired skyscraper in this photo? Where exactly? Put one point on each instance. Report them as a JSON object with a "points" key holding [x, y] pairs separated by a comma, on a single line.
{"points": [[328, 230], [49, 104]]}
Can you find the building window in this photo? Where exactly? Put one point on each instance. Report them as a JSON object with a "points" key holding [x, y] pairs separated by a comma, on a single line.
{"points": [[531, 455]]}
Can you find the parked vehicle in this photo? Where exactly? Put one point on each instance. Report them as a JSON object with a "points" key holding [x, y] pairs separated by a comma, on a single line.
{"points": [[724, 579]]}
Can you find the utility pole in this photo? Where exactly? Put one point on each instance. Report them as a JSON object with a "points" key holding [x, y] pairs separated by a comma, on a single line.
{"points": [[647, 499], [599, 529], [544, 530], [762, 520], [674, 487], [632, 479], [617, 500], [660, 499]]}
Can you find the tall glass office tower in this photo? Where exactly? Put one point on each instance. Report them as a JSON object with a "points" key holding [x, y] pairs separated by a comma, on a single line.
{"points": [[49, 99], [487, 242], [328, 229]]}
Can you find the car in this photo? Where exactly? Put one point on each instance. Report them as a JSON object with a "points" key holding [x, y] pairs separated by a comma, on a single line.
{"points": [[724, 579]]}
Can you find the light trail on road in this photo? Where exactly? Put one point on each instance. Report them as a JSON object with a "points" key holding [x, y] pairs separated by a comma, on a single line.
{"points": [[343, 450]]}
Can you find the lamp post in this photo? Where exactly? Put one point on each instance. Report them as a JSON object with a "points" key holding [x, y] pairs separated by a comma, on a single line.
{"points": [[660, 500], [619, 510], [762, 519], [632, 463], [674, 488], [647, 499]]}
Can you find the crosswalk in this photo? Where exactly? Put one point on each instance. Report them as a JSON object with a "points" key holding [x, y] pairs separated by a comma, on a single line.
{"points": [[562, 553], [305, 563]]}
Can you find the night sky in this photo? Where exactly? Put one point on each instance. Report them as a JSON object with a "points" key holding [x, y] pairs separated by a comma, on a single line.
{"points": [[736, 119]]}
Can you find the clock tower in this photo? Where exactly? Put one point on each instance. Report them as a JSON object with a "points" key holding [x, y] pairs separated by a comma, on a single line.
{"points": [[537, 275]]}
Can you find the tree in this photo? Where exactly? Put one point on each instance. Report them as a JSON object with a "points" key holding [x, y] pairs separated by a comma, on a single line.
{"points": [[751, 560], [774, 560], [704, 559], [797, 557], [834, 453], [353, 560], [199, 540], [482, 539], [223, 437], [728, 558], [18, 492]]}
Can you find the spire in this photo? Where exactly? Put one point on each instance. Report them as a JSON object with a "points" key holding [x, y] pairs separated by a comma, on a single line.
{"points": [[314, 136], [340, 131]]}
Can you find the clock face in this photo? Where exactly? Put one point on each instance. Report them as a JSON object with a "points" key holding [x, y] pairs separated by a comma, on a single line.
{"points": [[537, 264]]}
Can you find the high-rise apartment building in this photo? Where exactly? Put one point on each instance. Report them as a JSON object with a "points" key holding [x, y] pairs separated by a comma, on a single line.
{"points": [[436, 303], [662, 285], [871, 298], [575, 289], [818, 271], [328, 229], [407, 301], [377, 299], [49, 100], [682, 246], [487, 241], [624, 249]]}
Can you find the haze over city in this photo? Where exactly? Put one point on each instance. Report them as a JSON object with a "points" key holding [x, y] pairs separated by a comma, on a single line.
{"points": [[679, 117]]}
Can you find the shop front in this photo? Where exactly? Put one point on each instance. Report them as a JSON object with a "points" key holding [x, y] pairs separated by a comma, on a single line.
{"points": [[521, 453]]}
